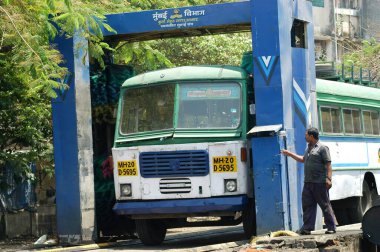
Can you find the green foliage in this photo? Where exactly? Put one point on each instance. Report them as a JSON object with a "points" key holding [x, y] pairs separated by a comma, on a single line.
{"points": [[366, 55], [27, 47], [159, 4], [225, 49], [25, 124], [142, 56], [31, 68]]}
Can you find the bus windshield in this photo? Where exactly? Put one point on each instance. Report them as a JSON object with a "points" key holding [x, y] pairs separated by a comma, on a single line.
{"points": [[147, 109], [200, 106], [209, 105]]}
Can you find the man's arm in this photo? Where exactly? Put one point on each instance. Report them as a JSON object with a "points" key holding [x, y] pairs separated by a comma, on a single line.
{"points": [[325, 152], [328, 175], [293, 155]]}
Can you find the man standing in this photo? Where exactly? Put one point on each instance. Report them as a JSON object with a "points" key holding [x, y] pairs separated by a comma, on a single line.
{"points": [[318, 172]]}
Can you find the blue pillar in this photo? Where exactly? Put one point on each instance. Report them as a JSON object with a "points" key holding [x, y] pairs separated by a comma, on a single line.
{"points": [[283, 77], [72, 135]]}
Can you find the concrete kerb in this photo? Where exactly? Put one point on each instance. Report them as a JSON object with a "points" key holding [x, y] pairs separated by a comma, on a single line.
{"points": [[348, 238]]}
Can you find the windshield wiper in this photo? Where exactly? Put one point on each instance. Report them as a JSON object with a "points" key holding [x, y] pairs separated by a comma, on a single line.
{"points": [[166, 137]]}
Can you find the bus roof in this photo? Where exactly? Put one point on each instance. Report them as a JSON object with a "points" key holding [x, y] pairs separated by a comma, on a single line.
{"points": [[347, 90], [188, 73]]}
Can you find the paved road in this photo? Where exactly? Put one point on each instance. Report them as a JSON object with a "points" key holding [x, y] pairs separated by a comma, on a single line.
{"points": [[186, 239], [202, 239]]}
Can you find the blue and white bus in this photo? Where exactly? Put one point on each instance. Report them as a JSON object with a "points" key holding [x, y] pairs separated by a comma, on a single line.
{"points": [[349, 124]]}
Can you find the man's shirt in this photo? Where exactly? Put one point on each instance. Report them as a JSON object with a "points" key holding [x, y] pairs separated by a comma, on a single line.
{"points": [[316, 157]]}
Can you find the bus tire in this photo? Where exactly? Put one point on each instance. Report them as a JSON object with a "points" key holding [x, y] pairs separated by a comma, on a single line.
{"points": [[249, 219], [362, 204], [151, 232], [342, 211], [342, 216]]}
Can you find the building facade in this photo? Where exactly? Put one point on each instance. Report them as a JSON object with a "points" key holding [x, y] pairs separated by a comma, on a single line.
{"points": [[339, 24]]}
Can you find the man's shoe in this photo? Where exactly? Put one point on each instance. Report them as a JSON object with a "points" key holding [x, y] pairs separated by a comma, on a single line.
{"points": [[303, 232], [330, 232]]}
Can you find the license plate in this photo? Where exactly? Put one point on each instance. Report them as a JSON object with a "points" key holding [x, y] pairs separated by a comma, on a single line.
{"points": [[127, 168], [224, 164]]}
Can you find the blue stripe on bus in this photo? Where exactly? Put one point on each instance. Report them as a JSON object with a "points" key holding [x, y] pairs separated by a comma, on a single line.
{"points": [[350, 139], [203, 205], [350, 165]]}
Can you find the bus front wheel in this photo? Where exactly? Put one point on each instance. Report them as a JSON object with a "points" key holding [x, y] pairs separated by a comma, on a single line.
{"points": [[151, 232]]}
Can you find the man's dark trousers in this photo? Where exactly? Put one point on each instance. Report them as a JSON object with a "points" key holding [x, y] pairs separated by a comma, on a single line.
{"points": [[313, 194]]}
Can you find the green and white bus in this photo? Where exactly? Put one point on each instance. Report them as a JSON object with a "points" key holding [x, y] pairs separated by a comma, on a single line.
{"points": [[180, 148]]}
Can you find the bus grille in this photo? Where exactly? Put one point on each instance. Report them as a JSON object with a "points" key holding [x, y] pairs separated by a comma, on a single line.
{"points": [[175, 185], [174, 163]]}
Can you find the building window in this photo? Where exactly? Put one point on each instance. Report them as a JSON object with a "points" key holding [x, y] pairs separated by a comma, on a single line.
{"points": [[347, 4], [318, 3], [371, 122], [330, 118], [298, 34], [351, 118]]}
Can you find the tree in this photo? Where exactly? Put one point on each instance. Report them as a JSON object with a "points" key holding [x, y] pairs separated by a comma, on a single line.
{"points": [[224, 49], [28, 27], [31, 67], [25, 125], [366, 55], [31, 70]]}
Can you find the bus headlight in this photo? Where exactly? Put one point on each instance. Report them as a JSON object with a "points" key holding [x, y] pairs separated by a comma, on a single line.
{"points": [[125, 190], [230, 185]]}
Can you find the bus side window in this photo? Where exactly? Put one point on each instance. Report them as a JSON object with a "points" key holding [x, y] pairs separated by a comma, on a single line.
{"points": [[371, 122], [330, 118]]}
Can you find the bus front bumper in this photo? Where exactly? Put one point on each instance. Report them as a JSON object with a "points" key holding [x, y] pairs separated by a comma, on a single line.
{"points": [[182, 206]]}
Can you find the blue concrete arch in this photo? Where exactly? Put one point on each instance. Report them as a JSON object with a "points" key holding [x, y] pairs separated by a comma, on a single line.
{"points": [[284, 82]]}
